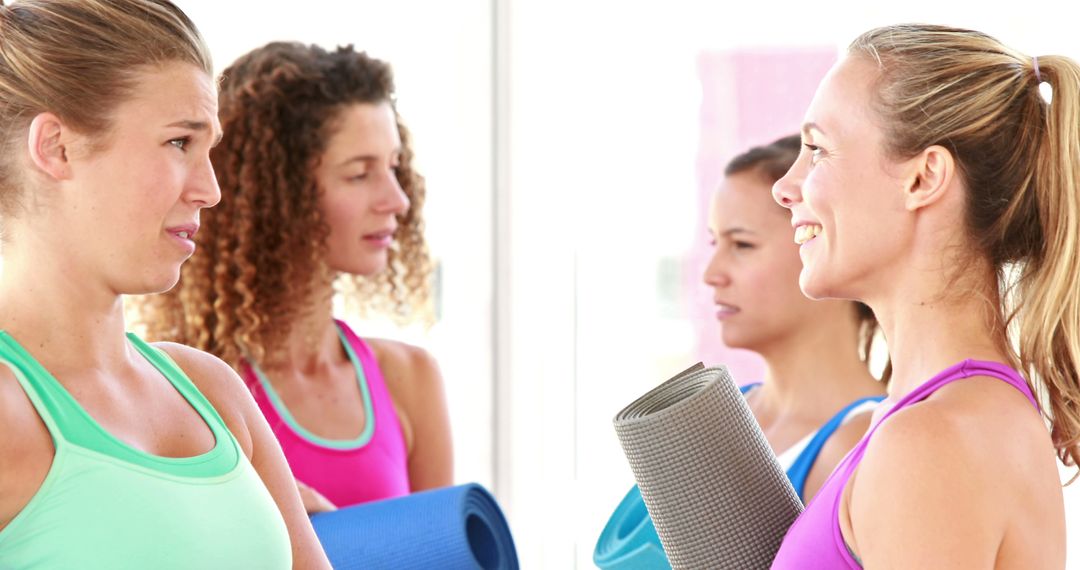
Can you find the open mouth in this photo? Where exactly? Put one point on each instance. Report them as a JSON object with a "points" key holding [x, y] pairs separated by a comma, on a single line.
{"points": [[807, 232]]}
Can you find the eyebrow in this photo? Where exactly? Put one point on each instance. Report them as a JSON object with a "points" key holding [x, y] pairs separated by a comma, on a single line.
{"points": [[368, 157], [357, 158], [733, 231], [807, 127], [196, 126]]}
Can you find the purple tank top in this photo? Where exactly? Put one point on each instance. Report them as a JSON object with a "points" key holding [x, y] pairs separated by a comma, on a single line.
{"points": [[815, 540], [374, 466]]}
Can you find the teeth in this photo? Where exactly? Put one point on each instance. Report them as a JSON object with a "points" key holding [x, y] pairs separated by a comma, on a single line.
{"points": [[183, 235], [804, 234]]}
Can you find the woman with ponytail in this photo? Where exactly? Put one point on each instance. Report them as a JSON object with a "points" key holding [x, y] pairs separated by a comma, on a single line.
{"points": [[938, 186], [815, 400]]}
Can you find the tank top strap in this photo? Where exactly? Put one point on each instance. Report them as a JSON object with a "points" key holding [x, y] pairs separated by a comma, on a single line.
{"points": [[380, 404], [964, 369], [800, 469], [47, 399], [367, 365], [960, 371], [176, 376]]}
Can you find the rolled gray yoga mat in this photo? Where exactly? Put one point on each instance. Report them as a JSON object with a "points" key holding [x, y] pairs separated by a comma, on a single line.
{"points": [[711, 483]]}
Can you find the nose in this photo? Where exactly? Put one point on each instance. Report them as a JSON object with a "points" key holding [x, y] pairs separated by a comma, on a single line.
{"points": [[392, 198], [716, 274], [203, 189], [788, 190]]}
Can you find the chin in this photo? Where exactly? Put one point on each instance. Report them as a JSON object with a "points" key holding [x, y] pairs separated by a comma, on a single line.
{"points": [[813, 286], [736, 338], [153, 284], [364, 268]]}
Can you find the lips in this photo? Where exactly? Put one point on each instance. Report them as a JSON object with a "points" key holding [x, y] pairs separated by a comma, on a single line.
{"points": [[725, 310], [380, 235], [185, 231]]}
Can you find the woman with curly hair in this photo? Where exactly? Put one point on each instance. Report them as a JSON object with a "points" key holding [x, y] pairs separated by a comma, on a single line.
{"points": [[318, 187]]}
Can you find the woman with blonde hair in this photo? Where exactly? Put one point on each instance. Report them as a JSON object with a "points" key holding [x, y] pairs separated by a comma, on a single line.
{"points": [[318, 187], [818, 390], [116, 453], [940, 187]]}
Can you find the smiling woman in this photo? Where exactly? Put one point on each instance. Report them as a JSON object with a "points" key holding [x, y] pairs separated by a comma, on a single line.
{"points": [[945, 193], [118, 454], [817, 392]]}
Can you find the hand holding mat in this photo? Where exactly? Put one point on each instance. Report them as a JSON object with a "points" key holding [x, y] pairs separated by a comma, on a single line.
{"points": [[451, 528], [712, 485]]}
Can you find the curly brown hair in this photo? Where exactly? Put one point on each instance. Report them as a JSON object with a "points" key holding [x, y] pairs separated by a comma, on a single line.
{"points": [[260, 255]]}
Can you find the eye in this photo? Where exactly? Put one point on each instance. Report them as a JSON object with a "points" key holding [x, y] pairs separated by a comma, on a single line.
{"points": [[181, 143], [815, 152], [743, 245]]}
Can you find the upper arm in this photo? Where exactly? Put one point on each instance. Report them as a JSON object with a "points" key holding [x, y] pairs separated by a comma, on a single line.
{"points": [[227, 393], [923, 494], [416, 386], [833, 452]]}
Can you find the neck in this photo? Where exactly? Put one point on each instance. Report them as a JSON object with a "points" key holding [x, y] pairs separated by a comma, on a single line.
{"points": [[313, 344], [68, 320], [933, 323], [816, 369]]}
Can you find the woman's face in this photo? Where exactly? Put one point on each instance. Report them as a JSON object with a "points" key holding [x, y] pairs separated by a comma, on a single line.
{"points": [[360, 197], [844, 193], [131, 205], [754, 269]]}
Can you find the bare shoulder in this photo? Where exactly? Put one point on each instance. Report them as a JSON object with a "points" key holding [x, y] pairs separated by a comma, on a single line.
{"points": [[961, 429], [844, 439], [832, 453], [219, 383], [408, 369], [211, 375], [848, 434], [953, 466], [15, 409]]}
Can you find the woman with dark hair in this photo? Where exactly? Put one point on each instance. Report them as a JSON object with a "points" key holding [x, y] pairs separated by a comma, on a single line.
{"points": [[818, 388], [319, 196]]}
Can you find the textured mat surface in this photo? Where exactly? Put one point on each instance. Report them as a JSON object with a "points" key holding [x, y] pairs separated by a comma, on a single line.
{"points": [[713, 487], [453, 528]]}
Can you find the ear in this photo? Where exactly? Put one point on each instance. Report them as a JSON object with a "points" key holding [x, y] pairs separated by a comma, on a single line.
{"points": [[47, 145], [930, 177]]}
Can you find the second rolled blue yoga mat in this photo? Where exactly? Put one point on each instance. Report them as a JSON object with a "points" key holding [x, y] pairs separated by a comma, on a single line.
{"points": [[455, 527], [629, 541]]}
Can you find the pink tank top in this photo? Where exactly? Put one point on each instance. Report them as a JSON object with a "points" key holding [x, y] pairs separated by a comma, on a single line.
{"points": [[347, 472], [815, 540]]}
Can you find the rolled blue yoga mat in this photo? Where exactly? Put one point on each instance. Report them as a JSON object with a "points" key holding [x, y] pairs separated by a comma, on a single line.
{"points": [[629, 540], [453, 528]]}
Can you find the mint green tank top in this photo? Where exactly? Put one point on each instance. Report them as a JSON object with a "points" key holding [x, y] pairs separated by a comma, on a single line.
{"points": [[105, 504]]}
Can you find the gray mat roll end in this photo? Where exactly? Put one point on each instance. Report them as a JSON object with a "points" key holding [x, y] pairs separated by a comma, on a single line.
{"points": [[712, 485]]}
